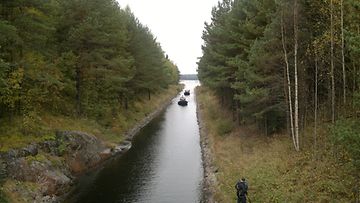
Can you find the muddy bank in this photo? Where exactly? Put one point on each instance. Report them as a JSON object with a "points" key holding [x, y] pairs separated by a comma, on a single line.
{"points": [[47, 171], [209, 180]]}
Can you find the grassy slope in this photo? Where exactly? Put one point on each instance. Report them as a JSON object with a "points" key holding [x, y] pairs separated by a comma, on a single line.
{"points": [[275, 172], [11, 136]]}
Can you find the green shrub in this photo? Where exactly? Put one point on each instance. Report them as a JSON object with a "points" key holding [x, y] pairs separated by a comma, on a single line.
{"points": [[224, 126], [2, 197], [213, 113], [356, 99], [346, 133], [31, 124]]}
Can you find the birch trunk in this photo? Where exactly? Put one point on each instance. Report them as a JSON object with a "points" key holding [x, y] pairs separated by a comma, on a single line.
{"points": [[288, 82], [332, 62], [343, 51], [296, 113], [315, 103]]}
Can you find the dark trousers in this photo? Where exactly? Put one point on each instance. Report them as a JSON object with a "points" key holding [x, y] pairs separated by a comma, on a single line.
{"points": [[241, 199]]}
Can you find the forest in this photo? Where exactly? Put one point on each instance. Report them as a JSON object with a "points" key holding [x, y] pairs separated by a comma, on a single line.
{"points": [[286, 76], [81, 59], [287, 65]]}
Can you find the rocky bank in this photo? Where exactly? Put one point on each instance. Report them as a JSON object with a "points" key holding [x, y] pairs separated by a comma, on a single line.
{"points": [[209, 180], [46, 172]]}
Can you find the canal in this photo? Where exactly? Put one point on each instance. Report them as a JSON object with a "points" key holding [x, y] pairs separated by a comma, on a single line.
{"points": [[164, 164]]}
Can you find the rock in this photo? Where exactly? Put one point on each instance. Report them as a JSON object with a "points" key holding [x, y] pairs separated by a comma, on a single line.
{"points": [[125, 145], [83, 150], [30, 150], [50, 147], [107, 153], [122, 147], [3, 172], [52, 180], [12, 154], [46, 199]]}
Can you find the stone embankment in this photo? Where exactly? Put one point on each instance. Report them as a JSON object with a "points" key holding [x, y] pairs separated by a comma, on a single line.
{"points": [[209, 180]]}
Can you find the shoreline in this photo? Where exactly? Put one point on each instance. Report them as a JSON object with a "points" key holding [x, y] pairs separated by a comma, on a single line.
{"points": [[129, 136], [90, 154], [209, 177]]}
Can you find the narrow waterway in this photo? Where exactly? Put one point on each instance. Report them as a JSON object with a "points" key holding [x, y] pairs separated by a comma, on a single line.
{"points": [[164, 164]]}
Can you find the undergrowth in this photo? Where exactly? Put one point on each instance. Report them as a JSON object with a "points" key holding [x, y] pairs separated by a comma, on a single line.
{"points": [[110, 130]]}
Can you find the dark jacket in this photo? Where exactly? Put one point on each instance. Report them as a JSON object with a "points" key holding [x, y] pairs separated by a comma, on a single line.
{"points": [[241, 188]]}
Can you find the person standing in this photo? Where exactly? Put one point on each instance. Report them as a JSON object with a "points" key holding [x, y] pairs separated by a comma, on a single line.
{"points": [[241, 190]]}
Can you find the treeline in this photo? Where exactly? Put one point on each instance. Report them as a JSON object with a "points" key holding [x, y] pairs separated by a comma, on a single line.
{"points": [[286, 64], [86, 58]]}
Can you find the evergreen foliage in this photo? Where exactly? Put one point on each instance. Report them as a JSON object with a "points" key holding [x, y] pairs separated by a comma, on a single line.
{"points": [[345, 134], [84, 58], [243, 59]]}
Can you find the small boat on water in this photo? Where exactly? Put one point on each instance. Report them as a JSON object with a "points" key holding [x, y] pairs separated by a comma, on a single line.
{"points": [[182, 101], [187, 92]]}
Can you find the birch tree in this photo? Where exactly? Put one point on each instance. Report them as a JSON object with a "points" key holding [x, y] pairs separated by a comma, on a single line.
{"points": [[296, 113], [288, 80], [332, 62], [343, 51], [315, 101]]}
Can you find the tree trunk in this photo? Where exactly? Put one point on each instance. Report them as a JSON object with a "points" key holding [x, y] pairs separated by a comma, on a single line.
{"points": [[343, 51], [288, 81], [120, 99], [296, 113], [126, 103], [222, 98], [238, 119], [288, 130], [266, 126], [315, 103], [332, 62], [354, 83], [234, 110], [149, 94]]}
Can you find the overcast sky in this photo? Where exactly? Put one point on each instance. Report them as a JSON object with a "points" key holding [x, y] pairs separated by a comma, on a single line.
{"points": [[177, 25]]}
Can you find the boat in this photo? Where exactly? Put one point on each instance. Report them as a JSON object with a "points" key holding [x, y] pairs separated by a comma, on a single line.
{"points": [[182, 101], [187, 92]]}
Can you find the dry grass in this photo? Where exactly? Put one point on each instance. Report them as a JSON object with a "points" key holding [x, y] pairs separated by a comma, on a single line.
{"points": [[275, 172], [14, 191]]}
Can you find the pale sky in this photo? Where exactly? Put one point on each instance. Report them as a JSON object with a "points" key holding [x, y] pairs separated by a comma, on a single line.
{"points": [[177, 25]]}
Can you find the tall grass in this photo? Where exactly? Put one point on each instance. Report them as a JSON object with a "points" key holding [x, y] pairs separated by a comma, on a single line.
{"points": [[275, 172]]}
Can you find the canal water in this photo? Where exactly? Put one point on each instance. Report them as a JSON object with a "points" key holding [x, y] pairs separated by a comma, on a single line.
{"points": [[163, 166]]}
